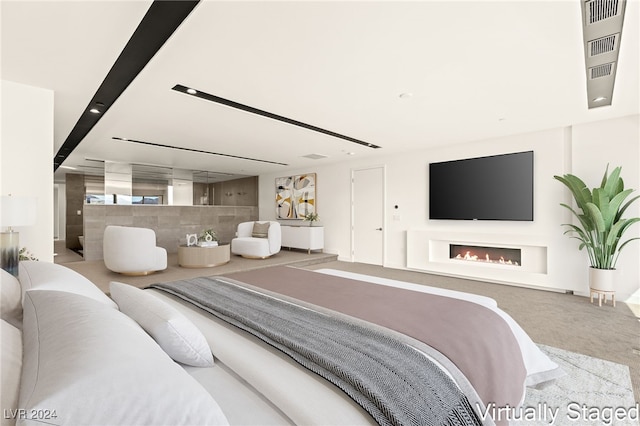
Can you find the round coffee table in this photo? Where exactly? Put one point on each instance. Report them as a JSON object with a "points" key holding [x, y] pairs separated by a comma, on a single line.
{"points": [[203, 257]]}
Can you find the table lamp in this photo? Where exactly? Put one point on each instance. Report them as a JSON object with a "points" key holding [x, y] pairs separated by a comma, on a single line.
{"points": [[14, 211]]}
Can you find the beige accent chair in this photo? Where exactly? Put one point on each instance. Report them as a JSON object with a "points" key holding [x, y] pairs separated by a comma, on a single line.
{"points": [[248, 244], [132, 251]]}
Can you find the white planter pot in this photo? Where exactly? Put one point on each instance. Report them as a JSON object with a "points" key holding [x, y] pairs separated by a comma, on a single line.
{"points": [[602, 279]]}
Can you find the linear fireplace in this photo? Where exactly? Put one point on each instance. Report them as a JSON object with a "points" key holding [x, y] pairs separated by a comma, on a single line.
{"points": [[497, 255], [430, 251]]}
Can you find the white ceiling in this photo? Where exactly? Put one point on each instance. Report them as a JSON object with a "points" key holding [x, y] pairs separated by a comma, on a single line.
{"points": [[475, 69]]}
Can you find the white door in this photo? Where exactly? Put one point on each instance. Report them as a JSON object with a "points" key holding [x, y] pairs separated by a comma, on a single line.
{"points": [[367, 217]]}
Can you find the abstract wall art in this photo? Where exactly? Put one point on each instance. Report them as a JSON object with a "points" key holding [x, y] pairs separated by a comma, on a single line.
{"points": [[295, 196]]}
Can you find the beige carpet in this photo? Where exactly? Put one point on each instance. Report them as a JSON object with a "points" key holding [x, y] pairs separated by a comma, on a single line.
{"points": [[560, 320], [101, 276]]}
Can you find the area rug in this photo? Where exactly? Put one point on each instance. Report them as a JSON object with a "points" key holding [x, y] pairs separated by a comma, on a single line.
{"points": [[594, 392]]}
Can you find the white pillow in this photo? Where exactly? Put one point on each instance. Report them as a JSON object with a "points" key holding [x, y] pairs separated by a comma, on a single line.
{"points": [[36, 275], [94, 365], [11, 366], [10, 299], [178, 336]]}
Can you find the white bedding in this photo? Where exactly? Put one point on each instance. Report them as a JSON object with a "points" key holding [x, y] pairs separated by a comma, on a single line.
{"points": [[253, 383], [301, 397], [241, 403]]}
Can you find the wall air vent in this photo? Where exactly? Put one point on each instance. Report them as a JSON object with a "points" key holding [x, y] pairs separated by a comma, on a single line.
{"points": [[598, 10], [599, 71], [603, 45]]}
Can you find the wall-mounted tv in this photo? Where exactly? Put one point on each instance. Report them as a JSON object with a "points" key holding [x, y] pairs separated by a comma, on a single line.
{"points": [[498, 187]]}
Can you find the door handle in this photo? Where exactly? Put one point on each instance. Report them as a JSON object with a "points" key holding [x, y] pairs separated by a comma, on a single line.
{"points": [[378, 229]]}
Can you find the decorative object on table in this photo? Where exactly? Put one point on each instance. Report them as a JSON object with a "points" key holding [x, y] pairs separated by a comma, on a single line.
{"points": [[24, 254], [311, 217], [208, 238], [192, 240], [15, 211], [601, 224], [295, 196]]}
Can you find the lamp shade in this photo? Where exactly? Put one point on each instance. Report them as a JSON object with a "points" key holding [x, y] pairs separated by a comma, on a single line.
{"points": [[17, 211]]}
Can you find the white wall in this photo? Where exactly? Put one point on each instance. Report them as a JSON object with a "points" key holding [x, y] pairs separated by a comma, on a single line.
{"points": [[26, 159], [555, 152]]}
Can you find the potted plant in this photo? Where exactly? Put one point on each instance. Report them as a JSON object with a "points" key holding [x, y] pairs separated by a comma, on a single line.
{"points": [[601, 225], [208, 237], [311, 217]]}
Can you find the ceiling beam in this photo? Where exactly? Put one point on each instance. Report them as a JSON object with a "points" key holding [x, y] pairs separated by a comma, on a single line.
{"points": [[233, 104], [158, 24]]}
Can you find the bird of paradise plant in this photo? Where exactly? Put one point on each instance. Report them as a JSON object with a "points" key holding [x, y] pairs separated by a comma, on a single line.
{"points": [[599, 213]]}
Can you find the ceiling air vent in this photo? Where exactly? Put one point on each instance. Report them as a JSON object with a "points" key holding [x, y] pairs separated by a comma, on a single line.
{"points": [[315, 156], [603, 45], [599, 71], [598, 10]]}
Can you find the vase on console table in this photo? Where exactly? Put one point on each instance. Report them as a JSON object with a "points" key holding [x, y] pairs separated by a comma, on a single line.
{"points": [[311, 217]]}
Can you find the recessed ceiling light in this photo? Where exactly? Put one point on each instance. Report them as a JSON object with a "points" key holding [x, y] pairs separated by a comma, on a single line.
{"points": [[600, 99], [94, 111], [405, 95], [192, 91]]}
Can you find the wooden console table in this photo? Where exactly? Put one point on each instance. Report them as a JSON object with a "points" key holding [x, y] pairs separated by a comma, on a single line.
{"points": [[203, 257]]}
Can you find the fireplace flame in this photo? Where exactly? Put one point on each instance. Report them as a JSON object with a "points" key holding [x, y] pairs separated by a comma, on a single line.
{"points": [[468, 255]]}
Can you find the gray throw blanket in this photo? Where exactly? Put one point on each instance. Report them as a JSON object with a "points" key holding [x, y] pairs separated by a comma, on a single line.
{"points": [[391, 380]]}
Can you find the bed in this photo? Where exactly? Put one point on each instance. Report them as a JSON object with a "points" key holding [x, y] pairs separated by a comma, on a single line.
{"points": [[152, 357], [303, 397]]}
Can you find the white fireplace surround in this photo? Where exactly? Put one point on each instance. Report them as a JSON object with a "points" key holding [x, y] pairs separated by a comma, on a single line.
{"points": [[428, 251]]}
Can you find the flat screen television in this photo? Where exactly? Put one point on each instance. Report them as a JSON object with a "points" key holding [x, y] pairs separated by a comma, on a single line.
{"points": [[498, 187]]}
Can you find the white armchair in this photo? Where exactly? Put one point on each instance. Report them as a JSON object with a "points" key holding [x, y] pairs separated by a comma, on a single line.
{"points": [[249, 244], [132, 251]]}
